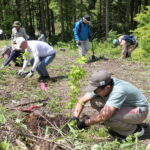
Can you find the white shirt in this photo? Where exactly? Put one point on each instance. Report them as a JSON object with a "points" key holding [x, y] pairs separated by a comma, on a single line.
{"points": [[38, 49], [1, 31]]}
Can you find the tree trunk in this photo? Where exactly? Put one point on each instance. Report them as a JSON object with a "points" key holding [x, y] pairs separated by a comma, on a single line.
{"points": [[107, 19], [61, 19]]}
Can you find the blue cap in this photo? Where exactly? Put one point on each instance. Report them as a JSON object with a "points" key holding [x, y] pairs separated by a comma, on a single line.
{"points": [[115, 42]]}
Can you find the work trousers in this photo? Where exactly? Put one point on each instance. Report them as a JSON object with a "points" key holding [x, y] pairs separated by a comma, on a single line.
{"points": [[124, 121]]}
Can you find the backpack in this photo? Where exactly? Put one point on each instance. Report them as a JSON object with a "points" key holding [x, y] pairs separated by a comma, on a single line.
{"points": [[80, 26], [130, 39]]}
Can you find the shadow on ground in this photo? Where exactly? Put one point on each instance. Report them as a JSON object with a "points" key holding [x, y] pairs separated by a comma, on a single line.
{"points": [[57, 78], [94, 59]]}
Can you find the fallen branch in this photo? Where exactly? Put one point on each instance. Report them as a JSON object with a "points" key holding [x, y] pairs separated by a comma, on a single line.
{"points": [[47, 140], [37, 101]]}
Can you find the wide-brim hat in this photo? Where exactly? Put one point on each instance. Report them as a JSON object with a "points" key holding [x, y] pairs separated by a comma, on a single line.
{"points": [[16, 24]]}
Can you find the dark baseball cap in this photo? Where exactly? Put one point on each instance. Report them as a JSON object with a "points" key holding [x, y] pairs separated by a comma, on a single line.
{"points": [[98, 79], [87, 17]]}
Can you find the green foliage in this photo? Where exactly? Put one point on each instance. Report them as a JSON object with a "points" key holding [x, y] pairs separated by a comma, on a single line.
{"points": [[5, 145], [75, 75], [143, 30], [26, 55], [2, 119], [81, 60]]}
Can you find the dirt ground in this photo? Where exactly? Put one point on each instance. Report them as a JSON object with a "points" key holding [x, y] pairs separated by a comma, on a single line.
{"points": [[137, 73]]}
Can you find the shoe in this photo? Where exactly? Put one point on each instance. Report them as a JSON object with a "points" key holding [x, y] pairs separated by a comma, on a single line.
{"points": [[43, 78], [116, 135], [140, 129]]}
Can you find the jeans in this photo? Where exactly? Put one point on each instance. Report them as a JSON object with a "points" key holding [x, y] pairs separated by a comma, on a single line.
{"points": [[44, 61]]}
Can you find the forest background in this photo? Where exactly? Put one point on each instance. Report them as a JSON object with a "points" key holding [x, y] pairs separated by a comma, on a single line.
{"points": [[57, 17]]}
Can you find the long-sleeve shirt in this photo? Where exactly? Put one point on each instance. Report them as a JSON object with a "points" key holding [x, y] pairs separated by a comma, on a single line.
{"points": [[42, 38], [81, 31], [38, 49], [11, 57], [19, 33]]}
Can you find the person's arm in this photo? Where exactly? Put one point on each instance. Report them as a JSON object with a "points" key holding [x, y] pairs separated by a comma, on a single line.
{"points": [[105, 113], [25, 34], [80, 105], [76, 31], [10, 58], [36, 62]]}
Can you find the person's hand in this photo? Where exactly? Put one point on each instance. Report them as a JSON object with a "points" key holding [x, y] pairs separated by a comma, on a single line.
{"points": [[78, 42], [20, 72], [30, 74], [1, 67], [81, 125]]}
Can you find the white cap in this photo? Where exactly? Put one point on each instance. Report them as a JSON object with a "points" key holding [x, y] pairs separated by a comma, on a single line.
{"points": [[19, 41]]}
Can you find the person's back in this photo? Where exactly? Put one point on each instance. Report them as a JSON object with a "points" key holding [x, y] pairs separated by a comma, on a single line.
{"points": [[40, 48], [128, 44], [125, 94]]}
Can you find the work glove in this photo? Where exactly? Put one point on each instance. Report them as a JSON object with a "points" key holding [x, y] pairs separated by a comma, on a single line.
{"points": [[78, 43], [20, 72], [1, 67], [78, 123], [81, 125], [30, 74]]}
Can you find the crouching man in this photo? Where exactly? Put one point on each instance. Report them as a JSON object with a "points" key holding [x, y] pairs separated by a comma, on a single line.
{"points": [[43, 54], [120, 105]]}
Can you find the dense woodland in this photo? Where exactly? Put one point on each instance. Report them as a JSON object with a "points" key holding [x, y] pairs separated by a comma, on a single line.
{"points": [[57, 17]]}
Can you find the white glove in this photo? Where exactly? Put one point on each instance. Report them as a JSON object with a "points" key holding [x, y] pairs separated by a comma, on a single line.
{"points": [[30, 74], [1, 67], [20, 72]]}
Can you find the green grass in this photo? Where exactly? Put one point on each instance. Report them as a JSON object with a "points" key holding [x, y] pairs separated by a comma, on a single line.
{"points": [[94, 138]]}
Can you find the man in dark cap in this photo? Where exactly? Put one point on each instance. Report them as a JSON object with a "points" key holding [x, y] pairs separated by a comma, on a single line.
{"points": [[82, 32], [121, 106]]}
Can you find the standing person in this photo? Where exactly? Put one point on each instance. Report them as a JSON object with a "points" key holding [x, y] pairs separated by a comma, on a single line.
{"points": [[128, 44], [1, 34], [43, 54], [18, 31], [13, 55], [42, 37], [82, 33], [121, 106]]}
